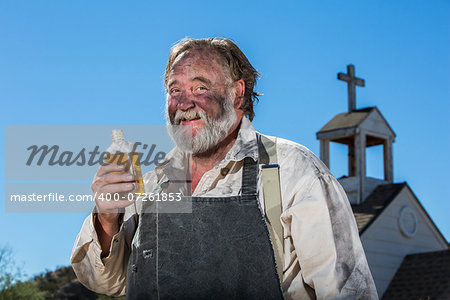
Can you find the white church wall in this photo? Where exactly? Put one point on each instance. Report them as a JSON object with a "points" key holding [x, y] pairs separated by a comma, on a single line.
{"points": [[386, 245]]}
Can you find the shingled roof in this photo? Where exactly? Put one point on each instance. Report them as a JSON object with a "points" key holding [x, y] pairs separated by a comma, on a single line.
{"points": [[347, 119], [422, 276], [366, 212]]}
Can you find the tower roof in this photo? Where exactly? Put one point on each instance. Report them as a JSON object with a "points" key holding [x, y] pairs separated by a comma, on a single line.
{"points": [[347, 119], [346, 124]]}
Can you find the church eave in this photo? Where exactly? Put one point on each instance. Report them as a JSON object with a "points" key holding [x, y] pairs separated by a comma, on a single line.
{"points": [[374, 205], [389, 199]]}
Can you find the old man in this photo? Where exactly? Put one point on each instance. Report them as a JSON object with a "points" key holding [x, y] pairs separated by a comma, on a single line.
{"points": [[268, 220]]}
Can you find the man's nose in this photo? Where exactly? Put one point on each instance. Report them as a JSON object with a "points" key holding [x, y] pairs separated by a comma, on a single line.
{"points": [[185, 101]]}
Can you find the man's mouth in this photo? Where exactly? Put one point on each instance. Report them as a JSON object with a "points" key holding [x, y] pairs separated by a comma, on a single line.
{"points": [[187, 117], [190, 118], [185, 121]]}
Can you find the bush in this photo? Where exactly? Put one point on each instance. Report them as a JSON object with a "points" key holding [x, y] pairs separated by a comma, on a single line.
{"points": [[12, 285]]}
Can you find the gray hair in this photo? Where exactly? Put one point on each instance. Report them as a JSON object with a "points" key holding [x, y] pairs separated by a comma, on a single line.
{"points": [[233, 59]]}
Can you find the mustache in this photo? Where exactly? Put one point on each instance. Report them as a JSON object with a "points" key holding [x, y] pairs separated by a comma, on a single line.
{"points": [[188, 115]]}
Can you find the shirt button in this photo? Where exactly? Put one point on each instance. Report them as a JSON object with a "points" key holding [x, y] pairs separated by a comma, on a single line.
{"points": [[134, 268], [224, 171]]}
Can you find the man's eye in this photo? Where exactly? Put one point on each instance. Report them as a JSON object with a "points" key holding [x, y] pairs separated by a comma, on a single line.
{"points": [[200, 89], [174, 91]]}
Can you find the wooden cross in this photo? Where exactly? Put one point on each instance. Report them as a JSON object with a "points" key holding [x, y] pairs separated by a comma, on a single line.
{"points": [[352, 82]]}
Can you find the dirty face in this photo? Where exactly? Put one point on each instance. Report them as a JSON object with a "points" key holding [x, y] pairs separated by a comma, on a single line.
{"points": [[200, 102]]}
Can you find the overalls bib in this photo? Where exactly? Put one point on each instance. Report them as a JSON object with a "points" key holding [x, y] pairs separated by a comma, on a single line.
{"points": [[222, 250]]}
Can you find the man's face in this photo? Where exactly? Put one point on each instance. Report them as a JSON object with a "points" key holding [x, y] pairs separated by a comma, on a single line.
{"points": [[199, 99]]}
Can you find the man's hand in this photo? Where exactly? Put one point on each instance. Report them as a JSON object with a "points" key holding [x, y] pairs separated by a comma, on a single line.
{"points": [[110, 179]]}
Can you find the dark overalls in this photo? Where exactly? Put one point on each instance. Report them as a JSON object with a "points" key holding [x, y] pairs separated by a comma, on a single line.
{"points": [[222, 250]]}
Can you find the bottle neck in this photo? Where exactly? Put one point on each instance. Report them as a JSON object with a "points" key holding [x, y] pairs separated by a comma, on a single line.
{"points": [[117, 136]]}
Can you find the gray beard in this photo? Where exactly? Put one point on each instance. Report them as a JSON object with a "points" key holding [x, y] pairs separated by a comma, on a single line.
{"points": [[214, 131]]}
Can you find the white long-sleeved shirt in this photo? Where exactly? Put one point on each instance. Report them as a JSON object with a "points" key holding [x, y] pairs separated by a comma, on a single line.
{"points": [[323, 255]]}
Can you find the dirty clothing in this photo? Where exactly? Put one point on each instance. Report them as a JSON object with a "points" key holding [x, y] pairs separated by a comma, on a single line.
{"points": [[323, 256]]}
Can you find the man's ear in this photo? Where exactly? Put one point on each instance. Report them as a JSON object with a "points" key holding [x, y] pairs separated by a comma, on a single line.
{"points": [[239, 88]]}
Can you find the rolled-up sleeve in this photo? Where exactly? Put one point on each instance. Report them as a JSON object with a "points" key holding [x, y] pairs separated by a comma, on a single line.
{"points": [[102, 275], [326, 241], [107, 275]]}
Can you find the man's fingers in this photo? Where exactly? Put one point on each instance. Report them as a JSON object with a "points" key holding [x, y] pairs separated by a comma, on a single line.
{"points": [[113, 206], [108, 206], [116, 188], [111, 197], [115, 178], [110, 178], [112, 186], [105, 169]]}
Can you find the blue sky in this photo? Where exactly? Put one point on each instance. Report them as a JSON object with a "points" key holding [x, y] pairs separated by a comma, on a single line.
{"points": [[101, 62]]}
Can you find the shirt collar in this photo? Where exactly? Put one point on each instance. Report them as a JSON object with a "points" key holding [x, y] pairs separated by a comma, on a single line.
{"points": [[246, 144]]}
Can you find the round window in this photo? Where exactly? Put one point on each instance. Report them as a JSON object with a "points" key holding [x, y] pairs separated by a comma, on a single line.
{"points": [[408, 221]]}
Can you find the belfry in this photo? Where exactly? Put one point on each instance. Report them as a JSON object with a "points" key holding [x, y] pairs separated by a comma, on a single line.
{"points": [[358, 129]]}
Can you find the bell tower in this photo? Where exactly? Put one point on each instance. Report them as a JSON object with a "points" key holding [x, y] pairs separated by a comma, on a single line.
{"points": [[358, 129]]}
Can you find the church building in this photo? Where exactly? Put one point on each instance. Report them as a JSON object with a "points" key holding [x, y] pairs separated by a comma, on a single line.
{"points": [[408, 256]]}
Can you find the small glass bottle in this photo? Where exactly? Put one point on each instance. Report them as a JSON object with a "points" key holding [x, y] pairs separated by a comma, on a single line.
{"points": [[121, 152]]}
